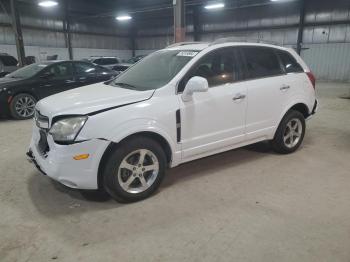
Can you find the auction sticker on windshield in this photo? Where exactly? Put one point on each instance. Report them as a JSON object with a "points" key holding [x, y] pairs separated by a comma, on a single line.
{"points": [[187, 53]]}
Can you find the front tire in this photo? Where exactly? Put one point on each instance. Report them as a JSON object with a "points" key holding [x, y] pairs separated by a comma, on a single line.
{"points": [[22, 106], [290, 133], [134, 170]]}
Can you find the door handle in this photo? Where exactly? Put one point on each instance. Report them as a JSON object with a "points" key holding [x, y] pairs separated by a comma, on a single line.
{"points": [[238, 97], [285, 87], [69, 81]]}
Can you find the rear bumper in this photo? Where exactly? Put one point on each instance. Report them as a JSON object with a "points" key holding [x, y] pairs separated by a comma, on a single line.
{"points": [[314, 110]]}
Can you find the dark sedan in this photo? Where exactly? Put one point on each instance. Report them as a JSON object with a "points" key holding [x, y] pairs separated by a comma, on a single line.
{"points": [[20, 90]]}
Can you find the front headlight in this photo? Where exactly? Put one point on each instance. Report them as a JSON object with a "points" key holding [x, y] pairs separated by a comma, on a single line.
{"points": [[66, 130]]}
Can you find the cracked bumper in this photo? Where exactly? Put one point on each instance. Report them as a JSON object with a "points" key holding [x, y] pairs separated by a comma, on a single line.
{"points": [[58, 163]]}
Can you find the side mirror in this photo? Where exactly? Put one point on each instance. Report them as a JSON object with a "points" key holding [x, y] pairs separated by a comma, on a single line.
{"points": [[195, 84], [47, 75]]}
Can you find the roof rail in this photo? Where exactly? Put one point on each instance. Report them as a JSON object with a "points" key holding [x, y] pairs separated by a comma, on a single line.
{"points": [[184, 43], [239, 39]]}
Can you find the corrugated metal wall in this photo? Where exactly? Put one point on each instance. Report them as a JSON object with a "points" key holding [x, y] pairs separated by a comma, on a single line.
{"points": [[327, 46], [330, 62], [44, 36]]}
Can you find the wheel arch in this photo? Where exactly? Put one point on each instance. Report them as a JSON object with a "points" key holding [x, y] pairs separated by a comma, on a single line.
{"points": [[302, 108], [114, 145], [24, 92], [299, 106]]}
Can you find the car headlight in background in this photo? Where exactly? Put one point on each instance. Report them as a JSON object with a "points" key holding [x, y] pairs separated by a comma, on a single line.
{"points": [[67, 129]]}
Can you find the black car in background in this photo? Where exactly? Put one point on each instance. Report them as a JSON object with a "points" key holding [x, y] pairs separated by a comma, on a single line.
{"points": [[119, 68], [8, 64], [135, 59], [20, 90], [107, 62]]}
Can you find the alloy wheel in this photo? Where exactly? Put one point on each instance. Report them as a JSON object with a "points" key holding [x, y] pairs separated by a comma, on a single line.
{"points": [[138, 171], [25, 106], [293, 133]]}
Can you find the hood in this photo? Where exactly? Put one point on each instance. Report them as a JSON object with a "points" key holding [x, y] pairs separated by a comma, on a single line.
{"points": [[90, 100], [6, 80]]}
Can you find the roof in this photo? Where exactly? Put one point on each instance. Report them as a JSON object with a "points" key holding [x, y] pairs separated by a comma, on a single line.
{"points": [[189, 46], [201, 46], [97, 57]]}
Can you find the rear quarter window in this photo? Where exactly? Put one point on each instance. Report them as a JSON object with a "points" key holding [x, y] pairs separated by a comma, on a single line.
{"points": [[290, 64]]}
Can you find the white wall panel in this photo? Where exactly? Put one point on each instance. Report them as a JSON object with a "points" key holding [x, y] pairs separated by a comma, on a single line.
{"points": [[41, 53], [80, 53], [329, 61], [144, 52]]}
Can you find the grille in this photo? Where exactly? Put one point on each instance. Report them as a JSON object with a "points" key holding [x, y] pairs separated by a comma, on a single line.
{"points": [[43, 145], [42, 123]]}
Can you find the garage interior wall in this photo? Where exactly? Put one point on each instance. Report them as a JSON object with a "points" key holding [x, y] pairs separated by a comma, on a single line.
{"points": [[326, 35], [43, 36]]}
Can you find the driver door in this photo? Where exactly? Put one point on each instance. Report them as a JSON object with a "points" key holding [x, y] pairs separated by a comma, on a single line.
{"points": [[214, 121]]}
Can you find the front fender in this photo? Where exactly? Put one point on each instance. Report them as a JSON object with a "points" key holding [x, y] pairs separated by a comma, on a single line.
{"points": [[141, 125], [117, 132]]}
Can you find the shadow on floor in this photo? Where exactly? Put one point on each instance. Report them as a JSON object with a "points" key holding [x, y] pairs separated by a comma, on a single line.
{"points": [[53, 199], [216, 163]]}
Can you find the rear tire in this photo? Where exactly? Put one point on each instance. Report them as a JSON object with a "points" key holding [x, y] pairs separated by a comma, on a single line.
{"points": [[22, 106], [290, 133], [134, 170]]}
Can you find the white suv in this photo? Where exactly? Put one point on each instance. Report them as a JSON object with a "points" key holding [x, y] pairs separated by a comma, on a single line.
{"points": [[181, 103]]}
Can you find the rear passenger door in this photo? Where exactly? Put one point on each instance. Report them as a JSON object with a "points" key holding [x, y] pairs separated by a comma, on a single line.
{"points": [[265, 84]]}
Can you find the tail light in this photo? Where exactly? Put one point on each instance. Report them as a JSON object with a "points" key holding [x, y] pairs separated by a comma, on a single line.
{"points": [[312, 79]]}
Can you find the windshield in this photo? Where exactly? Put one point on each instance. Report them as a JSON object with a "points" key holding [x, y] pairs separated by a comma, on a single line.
{"points": [[27, 71], [155, 70]]}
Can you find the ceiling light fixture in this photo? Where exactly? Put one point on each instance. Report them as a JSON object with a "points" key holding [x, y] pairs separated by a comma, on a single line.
{"points": [[123, 17], [281, 0], [215, 6], [48, 3]]}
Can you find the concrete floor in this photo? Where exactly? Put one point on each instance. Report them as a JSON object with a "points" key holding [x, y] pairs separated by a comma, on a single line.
{"points": [[244, 205]]}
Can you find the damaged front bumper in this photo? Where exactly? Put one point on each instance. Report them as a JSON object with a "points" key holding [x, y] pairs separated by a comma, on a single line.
{"points": [[58, 161]]}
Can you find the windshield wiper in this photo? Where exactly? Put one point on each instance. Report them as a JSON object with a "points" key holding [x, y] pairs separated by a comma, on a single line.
{"points": [[125, 85]]}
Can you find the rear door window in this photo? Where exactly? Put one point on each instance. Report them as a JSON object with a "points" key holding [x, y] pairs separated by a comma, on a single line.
{"points": [[106, 61], [84, 69], [60, 71], [289, 62], [111, 61], [98, 61], [261, 62]]}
